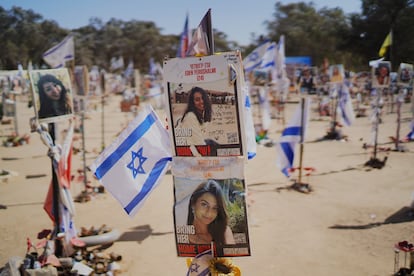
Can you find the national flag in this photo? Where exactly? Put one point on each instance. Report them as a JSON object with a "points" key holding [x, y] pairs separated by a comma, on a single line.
{"points": [[387, 42], [200, 264], [202, 42], [254, 59], [269, 58], [264, 106], [249, 125], [410, 135], [129, 71], [57, 56], [293, 134], [134, 164], [345, 105], [184, 40], [374, 63], [61, 160], [281, 58], [117, 63]]}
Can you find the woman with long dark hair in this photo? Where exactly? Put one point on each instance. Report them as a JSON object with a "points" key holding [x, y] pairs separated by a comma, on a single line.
{"points": [[207, 213], [195, 117], [53, 97]]}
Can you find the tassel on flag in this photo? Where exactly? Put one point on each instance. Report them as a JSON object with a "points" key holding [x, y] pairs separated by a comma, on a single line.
{"points": [[202, 42], [59, 54], [184, 40]]}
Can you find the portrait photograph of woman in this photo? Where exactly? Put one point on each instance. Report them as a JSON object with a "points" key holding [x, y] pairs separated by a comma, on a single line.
{"points": [[205, 119], [211, 212], [52, 94], [381, 74]]}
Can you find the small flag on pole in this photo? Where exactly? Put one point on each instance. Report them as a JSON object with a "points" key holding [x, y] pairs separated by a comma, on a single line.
{"points": [[60, 53], [202, 42], [293, 134], [345, 105], [184, 40], [133, 165], [387, 42], [254, 59]]}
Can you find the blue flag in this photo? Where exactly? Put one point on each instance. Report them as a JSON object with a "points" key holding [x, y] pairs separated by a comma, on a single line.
{"points": [[133, 165]]}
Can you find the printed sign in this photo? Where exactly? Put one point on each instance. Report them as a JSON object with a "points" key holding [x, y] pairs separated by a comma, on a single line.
{"points": [[204, 105], [210, 206]]}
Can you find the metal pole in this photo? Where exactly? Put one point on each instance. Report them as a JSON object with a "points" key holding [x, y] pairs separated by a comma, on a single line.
{"points": [[301, 139], [103, 113], [85, 180], [55, 186]]}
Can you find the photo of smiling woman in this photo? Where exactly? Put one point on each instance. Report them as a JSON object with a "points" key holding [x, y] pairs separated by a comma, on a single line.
{"points": [[207, 213], [52, 93]]}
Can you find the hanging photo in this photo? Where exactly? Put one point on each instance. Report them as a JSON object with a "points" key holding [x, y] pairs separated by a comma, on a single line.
{"points": [[381, 75], [336, 73], [405, 74], [210, 206], [52, 94], [204, 105]]}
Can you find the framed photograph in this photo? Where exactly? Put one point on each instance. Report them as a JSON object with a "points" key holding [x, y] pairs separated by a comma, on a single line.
{"points": [[204, 105], [405, 74], [210, 206], [336, 73], [381, 74], [52, 94]]}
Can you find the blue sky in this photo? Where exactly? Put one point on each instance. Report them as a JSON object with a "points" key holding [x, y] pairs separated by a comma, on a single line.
{"points": [[236, 18]]}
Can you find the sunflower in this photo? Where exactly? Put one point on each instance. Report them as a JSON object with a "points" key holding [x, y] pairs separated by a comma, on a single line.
{"points": [[223, 266]]}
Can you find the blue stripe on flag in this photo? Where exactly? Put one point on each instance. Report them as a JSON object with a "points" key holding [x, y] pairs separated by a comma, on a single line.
{"points": [[291, 131], [135, 135], [288, 151], [57, 47], [149, 183]]}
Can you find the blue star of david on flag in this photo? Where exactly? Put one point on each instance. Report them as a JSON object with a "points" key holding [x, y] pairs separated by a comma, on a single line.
{"points": [[141, 159]]}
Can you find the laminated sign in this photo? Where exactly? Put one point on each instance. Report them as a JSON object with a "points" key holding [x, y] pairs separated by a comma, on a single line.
{"points": [[210, 206], [205, 105]]}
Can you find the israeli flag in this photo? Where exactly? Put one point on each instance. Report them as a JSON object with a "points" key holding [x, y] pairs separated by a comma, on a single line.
{"points": [[59, 54], [293, 134], [249, 124], [133, 165], [200, 264], [345, 107], [254, 59], [269, 58]]}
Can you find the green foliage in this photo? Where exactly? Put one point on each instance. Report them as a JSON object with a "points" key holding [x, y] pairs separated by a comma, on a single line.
{"points": [[350, 39]]}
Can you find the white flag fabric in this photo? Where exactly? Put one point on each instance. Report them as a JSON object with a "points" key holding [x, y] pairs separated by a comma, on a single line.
{"points": [[264, 108], [254, 59], [200, 264], [269, 57], [251, 144], [59, 54], [345, 107], [133, 165], [294, 133]]}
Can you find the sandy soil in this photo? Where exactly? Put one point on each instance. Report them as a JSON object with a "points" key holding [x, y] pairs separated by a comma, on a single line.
{"points": [[348, 225]]}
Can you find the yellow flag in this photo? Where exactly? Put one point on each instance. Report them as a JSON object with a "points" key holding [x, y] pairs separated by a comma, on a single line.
{"points": [[387, 42]]}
